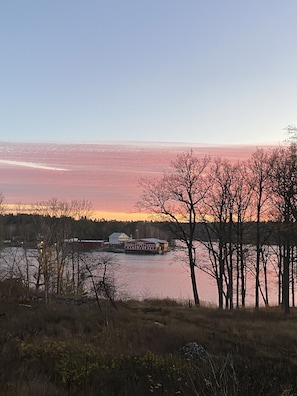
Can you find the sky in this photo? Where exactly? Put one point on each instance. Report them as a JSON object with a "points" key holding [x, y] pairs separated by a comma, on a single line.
{"points": [[106, 175], [208, 72]]}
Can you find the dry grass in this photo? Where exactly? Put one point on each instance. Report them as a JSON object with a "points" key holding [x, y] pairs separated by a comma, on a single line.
{"points": [[77, 350]]}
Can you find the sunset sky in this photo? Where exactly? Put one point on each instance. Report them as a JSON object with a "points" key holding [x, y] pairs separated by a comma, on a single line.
{"points": [[96, 94], [107, 175], [212, 72]]}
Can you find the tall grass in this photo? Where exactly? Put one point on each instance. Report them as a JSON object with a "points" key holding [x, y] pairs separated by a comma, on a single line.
{"points": [[70, 349]]}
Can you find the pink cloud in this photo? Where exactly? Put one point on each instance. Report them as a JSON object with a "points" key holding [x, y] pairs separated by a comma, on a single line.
{"points": [[107, 175]]}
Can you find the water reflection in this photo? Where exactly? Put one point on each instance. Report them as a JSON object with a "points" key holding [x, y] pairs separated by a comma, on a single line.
{"points": [[139, 276], [148, 276]]}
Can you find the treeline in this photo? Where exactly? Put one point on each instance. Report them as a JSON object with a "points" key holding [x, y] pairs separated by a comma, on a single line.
{"points": [[29, 229]]}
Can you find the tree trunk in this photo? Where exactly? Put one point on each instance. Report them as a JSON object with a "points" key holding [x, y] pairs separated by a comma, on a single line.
{"points": [[286, 280], [292, 276], [193, 276]]}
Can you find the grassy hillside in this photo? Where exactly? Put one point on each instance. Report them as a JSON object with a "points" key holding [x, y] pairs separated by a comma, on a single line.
{"points": [[73, 348]]}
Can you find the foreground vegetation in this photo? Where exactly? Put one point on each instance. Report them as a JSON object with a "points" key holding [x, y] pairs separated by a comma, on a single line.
{"points": [[72, 348]]}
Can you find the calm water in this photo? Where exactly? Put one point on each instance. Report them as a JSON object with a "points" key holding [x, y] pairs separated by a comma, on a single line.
{"points": [[146, 276]]}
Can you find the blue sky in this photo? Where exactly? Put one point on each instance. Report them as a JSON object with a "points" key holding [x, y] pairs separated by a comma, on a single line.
{"points": [[211, 72]]}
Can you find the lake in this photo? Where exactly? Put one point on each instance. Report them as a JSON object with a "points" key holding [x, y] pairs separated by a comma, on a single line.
{"points": [[162, 276], [148, 276]]}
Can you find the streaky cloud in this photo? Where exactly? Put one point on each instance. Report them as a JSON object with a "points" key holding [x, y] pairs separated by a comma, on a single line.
{"points": [[31, 165]]}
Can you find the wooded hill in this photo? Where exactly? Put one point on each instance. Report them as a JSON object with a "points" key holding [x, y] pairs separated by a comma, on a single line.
{"points": [[28, 229]]}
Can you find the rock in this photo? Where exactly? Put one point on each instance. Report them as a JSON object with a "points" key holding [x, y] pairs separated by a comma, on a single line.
{"points": [[192, 350]]}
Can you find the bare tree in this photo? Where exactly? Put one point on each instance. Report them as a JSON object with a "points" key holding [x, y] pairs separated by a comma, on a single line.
{"points": [[48, 269], [81, 208], [284, 188], [242, 194], [55, 229], [260, 166], [176, 197], [75, 208], [225, 210], [218, 220], [100, 272]]}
